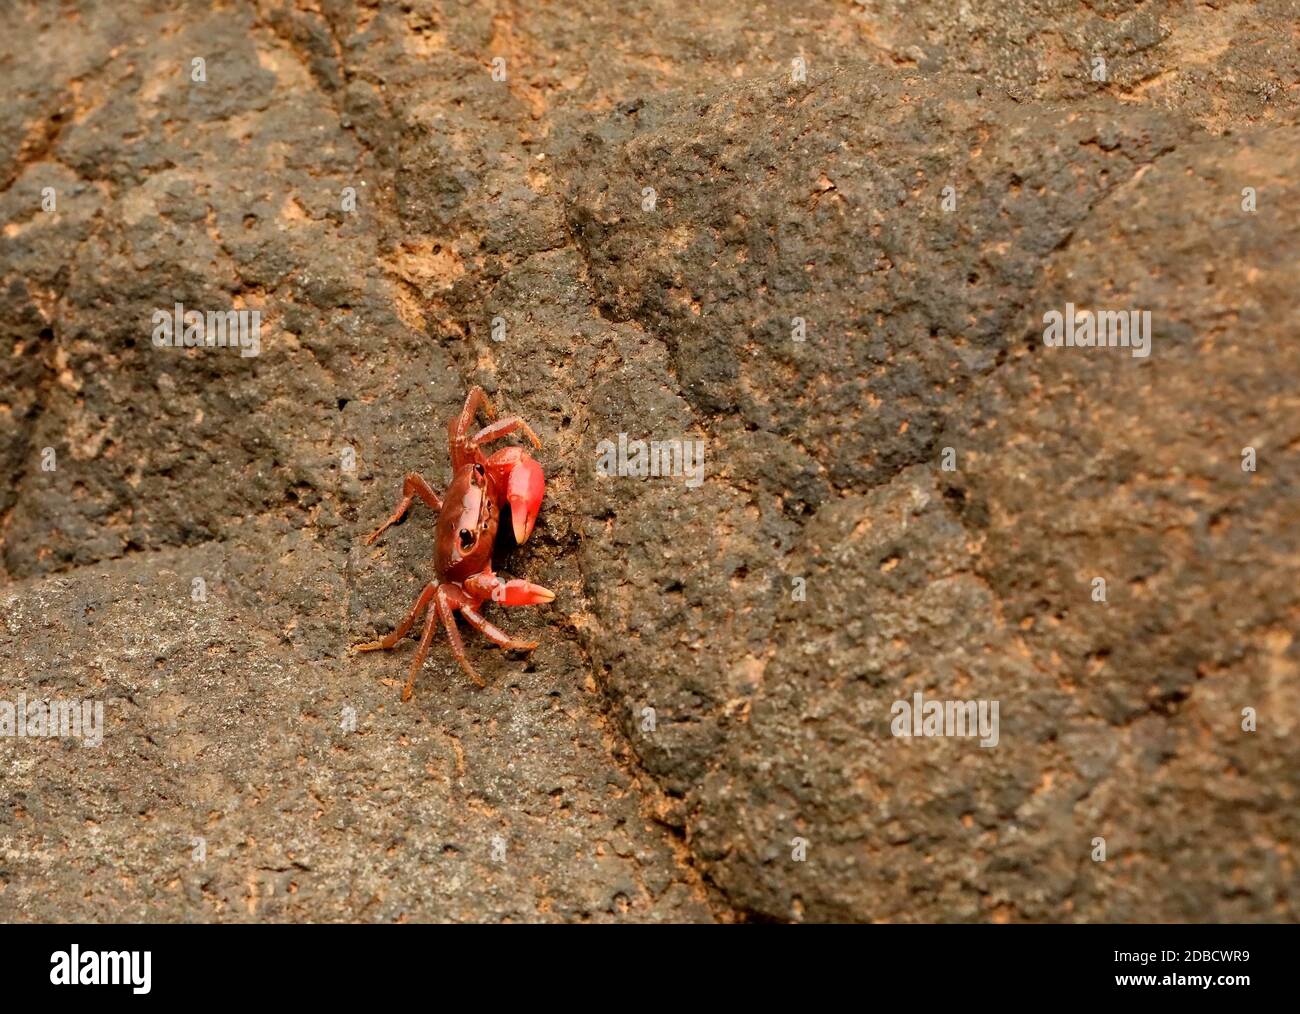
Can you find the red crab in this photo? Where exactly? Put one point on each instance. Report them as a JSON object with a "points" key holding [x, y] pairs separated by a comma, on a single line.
{"points": [[466, 533]]}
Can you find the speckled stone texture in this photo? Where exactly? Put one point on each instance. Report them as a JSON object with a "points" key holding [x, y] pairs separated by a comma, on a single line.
{"points": [[674, 221]]}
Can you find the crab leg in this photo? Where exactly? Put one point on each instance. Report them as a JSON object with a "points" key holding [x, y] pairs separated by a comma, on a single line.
{"points": [[494, 634], [453, 635], [430, 625], [460, 425], [501, 428], [413, 486], [384, 643]]}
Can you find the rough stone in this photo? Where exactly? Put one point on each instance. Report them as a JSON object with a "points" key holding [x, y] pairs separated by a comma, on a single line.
{"points": [[828, 565]]}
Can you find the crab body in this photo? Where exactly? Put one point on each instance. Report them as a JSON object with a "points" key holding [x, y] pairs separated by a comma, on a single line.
{"points": [[467, 525], [469, 515]]}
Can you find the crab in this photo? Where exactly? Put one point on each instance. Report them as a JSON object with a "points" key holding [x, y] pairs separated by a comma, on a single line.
{"points": [[468, 515]]}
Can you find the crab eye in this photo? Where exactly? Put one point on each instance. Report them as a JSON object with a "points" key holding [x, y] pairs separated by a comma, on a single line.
{"points": [[466, 538], [478, 469]]}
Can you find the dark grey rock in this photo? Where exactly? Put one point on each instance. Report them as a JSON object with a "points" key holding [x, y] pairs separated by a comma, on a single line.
{"points": [[713, 689]]}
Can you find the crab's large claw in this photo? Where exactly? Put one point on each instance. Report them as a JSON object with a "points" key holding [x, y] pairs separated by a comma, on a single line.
{"points": [[524, 491]]}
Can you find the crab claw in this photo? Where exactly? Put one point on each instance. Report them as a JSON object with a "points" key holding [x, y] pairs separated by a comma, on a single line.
{"points": [[524, 491], [518, 592]]}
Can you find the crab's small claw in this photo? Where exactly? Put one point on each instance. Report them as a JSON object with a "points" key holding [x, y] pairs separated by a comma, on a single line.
{"points": [[515, 592], [524, 491], [518, 592]]}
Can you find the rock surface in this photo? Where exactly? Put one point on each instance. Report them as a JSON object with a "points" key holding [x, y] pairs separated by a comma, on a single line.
{"points": [[821, 241]]}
